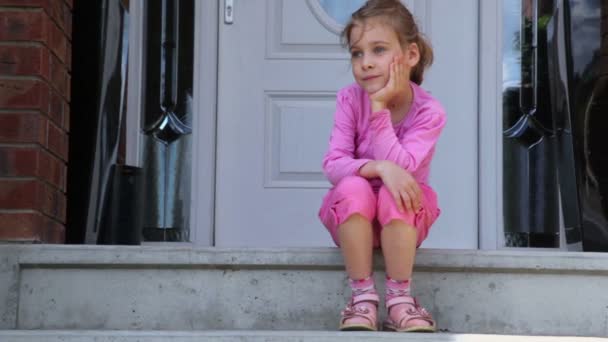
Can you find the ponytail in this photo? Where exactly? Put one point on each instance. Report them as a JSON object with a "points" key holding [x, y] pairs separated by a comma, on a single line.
{"points": [[426, 59]]}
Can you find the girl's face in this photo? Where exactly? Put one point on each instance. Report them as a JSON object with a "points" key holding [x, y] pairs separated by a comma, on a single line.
{"points": [[374, 45]]}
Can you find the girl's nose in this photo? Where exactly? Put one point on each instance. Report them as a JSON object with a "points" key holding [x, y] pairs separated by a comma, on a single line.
{"points": [[367, 64]]}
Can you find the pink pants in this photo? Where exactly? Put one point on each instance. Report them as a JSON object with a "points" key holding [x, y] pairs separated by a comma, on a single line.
{"points": [[355, 195]]}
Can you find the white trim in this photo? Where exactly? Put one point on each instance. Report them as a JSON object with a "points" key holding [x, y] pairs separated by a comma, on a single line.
{"points": [[490, 125], [202, 204], [133, 139]]}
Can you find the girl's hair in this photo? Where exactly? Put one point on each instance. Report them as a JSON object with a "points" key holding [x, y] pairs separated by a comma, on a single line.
{"points": [[396, 15]]}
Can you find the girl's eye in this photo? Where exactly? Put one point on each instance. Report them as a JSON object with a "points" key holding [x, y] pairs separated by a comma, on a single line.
{"points": [[379, 49], [356, 54]]}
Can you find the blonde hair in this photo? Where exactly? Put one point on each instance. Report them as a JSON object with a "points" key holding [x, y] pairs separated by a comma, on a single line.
{"points": [[402, 21]]}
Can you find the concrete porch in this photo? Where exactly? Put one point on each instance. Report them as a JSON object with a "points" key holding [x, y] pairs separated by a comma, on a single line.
{"points": [[272, 294]]}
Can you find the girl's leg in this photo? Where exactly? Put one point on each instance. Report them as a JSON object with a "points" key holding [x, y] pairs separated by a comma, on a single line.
{"points": [[398, 240], [347, 212], [356, 241], [402, 233]]}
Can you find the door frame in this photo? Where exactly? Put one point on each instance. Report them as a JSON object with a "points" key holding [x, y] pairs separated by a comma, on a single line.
{"points": [[202, 205], [202, 209], [490, 195]]}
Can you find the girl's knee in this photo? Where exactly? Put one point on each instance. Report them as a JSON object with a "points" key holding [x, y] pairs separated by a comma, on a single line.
{"points": [[387, 209], [353, 195], [357, 187]]}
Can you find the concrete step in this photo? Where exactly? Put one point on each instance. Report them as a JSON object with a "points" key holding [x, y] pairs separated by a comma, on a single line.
{"points": [[190, 289], [267, 336]]}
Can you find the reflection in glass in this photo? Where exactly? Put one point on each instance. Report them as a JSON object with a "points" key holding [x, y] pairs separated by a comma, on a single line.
{"points": [[530, 192], [167, 119], [340, 10], [511, 64], [580, 85]]}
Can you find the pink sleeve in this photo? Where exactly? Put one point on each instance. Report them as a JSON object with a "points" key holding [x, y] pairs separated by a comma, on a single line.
{"points": [[413, 148], [339, 161]]}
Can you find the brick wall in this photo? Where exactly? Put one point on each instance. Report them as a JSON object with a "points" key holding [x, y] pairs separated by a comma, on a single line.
{"points": [[35, 59]]}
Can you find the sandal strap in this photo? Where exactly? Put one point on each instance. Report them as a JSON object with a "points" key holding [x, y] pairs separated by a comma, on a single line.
{"points": [[414, 312], [366, 297], [354, 310], [357, 311], [400, 300]]}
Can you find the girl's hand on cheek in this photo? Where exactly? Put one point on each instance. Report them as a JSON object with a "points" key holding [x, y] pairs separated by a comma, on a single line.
{"points": [[397, 84]]}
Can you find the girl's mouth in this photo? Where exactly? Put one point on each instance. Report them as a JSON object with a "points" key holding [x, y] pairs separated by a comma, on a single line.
{"points": [[367, 78]]}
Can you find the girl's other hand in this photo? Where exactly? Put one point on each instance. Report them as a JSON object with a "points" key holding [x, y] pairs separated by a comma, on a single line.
{"points": [[401, 184], [397, 84]]}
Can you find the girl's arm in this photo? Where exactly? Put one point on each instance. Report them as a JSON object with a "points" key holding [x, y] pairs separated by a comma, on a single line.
{"points": [[414, 147], [339, 161]]}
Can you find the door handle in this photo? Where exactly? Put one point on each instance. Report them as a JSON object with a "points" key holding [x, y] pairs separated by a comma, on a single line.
{"points": [[228, 11]]}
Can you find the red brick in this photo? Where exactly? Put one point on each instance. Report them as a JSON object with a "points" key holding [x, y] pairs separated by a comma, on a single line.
{"points": [[30, 227], [52, 170], [34, 26], [52, 202], [57, 41], [66, 119], [34, 94], [29, 3], [22, 60], [24, 94], [68, 62], [23, 128], [18, 162], [55, 11], [32, 162], [57, 142], [46, 62], [58, 10], [20, 194], [67, 17], [32, 195], [60, 202], [22, 26], [57, 108], [59, 77], [63, 15], [23, 3]]}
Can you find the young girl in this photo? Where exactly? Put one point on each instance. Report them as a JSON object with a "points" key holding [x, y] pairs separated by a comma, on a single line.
{"points": [[379, 157]]}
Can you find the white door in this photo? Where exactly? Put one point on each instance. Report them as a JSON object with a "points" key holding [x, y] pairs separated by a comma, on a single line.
{"points": [[280, 66]]}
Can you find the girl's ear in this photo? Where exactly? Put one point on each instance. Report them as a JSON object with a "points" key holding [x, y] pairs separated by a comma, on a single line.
{"points": [[412, 55]]}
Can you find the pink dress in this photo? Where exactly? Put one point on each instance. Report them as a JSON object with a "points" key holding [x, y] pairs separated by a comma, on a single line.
{"points": [[359, 136]]}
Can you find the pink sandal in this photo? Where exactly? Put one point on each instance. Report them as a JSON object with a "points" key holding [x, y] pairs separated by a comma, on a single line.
{"points": [[360, 313], [410, 318]]}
